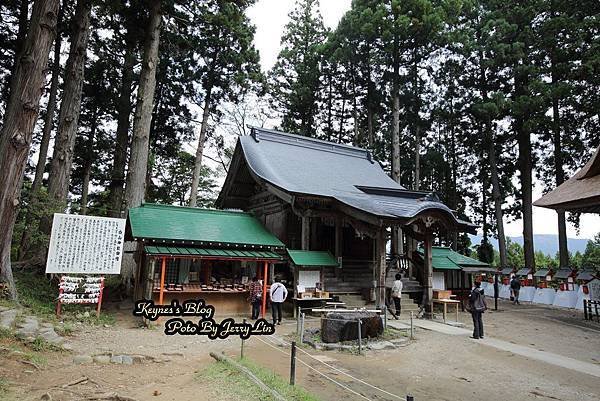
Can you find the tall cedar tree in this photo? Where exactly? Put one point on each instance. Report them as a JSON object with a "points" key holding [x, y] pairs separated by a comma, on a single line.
{"points": [[295, 79], [138, 163], [70, 105], [129, 19], [228, 64], [19, 120]]}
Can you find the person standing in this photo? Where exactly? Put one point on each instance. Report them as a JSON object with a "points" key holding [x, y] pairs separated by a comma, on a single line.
{"points": [[255, 296], [397, 295], [278, 294], [515, 287], [478, 306]]}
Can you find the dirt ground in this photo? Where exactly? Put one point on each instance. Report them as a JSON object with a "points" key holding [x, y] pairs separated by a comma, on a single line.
{"points": [[433, 367]]}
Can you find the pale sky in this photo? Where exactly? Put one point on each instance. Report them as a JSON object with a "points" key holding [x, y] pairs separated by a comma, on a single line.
{"points": [[270, 16]]}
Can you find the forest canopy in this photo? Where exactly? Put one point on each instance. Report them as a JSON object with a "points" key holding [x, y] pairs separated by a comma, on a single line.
{"points": [[474, 100]]}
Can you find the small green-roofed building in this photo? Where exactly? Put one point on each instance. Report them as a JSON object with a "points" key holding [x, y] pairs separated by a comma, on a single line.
{"points": [[454, 271], [445, 258], [172, 224], [185, 252]]}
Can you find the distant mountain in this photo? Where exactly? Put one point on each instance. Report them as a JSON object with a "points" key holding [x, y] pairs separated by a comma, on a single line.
{"points": [[547, 243]]}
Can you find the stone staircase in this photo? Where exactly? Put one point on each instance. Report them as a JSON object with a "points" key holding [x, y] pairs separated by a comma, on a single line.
{"points": [[352, 278], [354, 300], [408, 305], [355, 279]]}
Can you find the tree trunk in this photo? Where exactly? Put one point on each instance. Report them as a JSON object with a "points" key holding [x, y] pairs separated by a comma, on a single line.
{"points": [[19, 121], [49, 118], [138, 163], [417, 158], [497, 196], [342, 113], [356, 136], [525, 169], [40, 167], [200, 149], [563, 250], [369, 99], [329, 108], [396, 108], [454, 165], [416, 122], [396, 231], [70, 106], [19, 40], [87, 168], [117, 181]]}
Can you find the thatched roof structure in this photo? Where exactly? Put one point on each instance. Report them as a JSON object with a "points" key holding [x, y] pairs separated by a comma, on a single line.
{"points": [[581, 193]]}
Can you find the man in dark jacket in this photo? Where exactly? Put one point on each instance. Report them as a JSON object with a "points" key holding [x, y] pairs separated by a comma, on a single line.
{"points": [[478, 306], [515, 287]]}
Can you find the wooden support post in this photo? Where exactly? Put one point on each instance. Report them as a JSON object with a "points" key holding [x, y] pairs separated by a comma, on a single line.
{"points": [[428, 277], [149, 283], [305, 233], [242, 346], [409, 252], [100, 297], [314, 225], [293, 364], [380, 268], [400, 241], [162, 280], [264, 297], [338, 242]]}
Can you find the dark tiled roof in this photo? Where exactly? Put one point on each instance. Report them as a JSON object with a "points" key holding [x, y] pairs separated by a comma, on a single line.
{"points": [[350, 175]]}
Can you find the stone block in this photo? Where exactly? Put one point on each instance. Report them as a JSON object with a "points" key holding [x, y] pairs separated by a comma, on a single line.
{"points": [[102, 359], [82, 359], [116, 359], [343, 326]]}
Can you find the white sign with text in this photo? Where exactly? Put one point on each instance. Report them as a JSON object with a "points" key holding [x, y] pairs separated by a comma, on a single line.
{"points": [[85, 244]]}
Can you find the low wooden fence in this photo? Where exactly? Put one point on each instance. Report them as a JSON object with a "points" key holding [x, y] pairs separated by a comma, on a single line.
{"points": [[591, 310]]}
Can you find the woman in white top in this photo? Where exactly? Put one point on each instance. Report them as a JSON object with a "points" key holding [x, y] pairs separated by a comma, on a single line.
{"points": [[397, 294]]}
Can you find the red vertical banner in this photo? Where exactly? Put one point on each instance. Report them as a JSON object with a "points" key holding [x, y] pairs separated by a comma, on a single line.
{"points": [[162, 280]]}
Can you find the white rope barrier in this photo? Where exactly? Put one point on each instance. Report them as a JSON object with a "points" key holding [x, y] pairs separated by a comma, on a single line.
{"points": [[314, 369], [345, 373]]}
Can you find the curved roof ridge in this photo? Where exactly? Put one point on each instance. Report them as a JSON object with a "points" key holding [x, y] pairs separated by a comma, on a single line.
{"points": [[313, 143], [195, 209]]}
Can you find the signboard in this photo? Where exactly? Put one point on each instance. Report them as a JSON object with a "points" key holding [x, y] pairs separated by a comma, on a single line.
{"points": [[594, 287], [85, 244]]}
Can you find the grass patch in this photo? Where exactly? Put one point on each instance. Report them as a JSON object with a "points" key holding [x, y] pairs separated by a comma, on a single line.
{"points": [[237, 386], [36, 293], [391, 334], [41, 345], [38, 359], [6, 334]]}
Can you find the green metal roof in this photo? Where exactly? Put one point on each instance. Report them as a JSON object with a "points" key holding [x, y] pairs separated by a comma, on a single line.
{"points": [[210, 253], [444, 258], [312, 258], [179, 224]]}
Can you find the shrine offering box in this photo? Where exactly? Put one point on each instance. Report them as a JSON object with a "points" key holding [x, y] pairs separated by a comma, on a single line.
{"points": [[441, 294]]}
